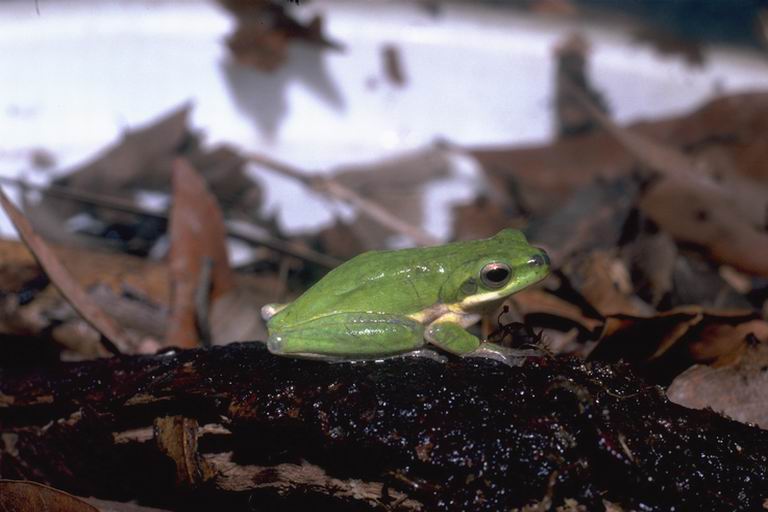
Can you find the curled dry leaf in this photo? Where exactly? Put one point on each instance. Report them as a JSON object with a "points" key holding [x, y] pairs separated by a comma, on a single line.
{"points": [[603, 280], [176, 438], [540, 302], [672, 341], [198, 238], [115, 340], [24, 496]]}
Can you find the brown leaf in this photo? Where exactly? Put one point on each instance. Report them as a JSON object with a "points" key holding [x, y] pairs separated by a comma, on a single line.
{"points": [[707, 216], [396, 184], [264, 31], [140, 161], [198, 239], [176, 437], [736, 390], [603, 280], [24, 496], [670, 342], [545, 175], [256, 45], [137, 159], [67, 285], [393, 65], [537, 301]]}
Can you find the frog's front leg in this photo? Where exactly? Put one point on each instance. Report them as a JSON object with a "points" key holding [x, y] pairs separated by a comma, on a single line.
{"points": [[449, 334], [347, 336]]}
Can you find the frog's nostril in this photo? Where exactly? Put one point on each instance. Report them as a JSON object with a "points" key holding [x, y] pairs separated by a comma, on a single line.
{"points": [[540, 260]]}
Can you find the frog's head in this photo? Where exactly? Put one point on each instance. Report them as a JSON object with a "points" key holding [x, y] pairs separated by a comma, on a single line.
{"points": [[499, 267]]}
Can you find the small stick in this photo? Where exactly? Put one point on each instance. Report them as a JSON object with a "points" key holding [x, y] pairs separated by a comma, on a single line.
{"points": [[335, 189], [241, 229]]}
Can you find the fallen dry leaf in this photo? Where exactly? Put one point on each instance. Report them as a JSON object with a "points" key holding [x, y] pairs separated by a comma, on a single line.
{"points": [[117, 341], [705, 216], [198, 239], [545, 175], [264, 31], [397, 184], [176, 436], [24, 496], [603, 280], [105, 187], [539, 302], [670, 342], [736, 390]]}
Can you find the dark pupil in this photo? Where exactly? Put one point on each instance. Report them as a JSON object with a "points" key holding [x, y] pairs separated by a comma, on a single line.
{"points": [[497, 275]]}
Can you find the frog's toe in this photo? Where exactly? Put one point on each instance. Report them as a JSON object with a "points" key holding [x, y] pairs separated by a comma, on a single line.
{"points": [[427, 354], [508, 356], [275, 344]]}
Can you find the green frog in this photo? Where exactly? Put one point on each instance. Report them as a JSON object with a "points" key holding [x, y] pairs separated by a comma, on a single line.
{"points": [[387, 303]]}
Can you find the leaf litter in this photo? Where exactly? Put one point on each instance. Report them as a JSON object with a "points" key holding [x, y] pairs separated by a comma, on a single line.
{"points": [[658, 233]]}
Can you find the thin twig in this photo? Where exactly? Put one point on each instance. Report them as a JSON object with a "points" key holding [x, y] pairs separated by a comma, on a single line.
{"points": [[334, 189], [656, 155], [253, 235]]}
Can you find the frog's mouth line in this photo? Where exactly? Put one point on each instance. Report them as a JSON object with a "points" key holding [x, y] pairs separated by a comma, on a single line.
{"points": [[490, 299]]}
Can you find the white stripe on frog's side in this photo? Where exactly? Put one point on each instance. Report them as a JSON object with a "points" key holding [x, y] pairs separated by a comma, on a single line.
{"points": [[482, 301], [453, 311]]}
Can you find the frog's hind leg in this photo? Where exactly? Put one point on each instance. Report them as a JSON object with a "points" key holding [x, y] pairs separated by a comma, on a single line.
{"points": [[349, 336]]}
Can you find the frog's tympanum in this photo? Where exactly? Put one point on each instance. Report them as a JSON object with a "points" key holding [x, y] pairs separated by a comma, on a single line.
{"points": [[385, 303]]}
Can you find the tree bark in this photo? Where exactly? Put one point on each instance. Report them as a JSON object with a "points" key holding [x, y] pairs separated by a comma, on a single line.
{"points": [[237, 428]]}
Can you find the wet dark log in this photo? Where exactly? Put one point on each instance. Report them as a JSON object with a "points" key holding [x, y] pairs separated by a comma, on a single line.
{"points": [[239, 429]]}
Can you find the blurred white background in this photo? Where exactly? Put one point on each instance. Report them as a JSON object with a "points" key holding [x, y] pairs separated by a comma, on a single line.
{"points": [[75, 74]]}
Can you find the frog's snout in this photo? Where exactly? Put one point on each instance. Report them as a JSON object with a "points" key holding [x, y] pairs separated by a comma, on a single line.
{"points": [[540, 260]]}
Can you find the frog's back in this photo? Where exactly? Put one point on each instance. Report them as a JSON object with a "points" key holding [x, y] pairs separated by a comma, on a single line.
{"points": [[403, 282]]}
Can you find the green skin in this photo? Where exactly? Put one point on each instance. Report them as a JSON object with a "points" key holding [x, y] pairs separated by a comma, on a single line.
{"points": [[385, 303]]}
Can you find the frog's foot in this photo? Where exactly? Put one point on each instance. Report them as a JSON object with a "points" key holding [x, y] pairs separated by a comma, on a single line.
{"points": [[508, 356], [427, 354], [422, 353]]}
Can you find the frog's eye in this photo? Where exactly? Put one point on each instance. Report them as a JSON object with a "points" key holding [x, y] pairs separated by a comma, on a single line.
{"points": [[495, 275]]}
